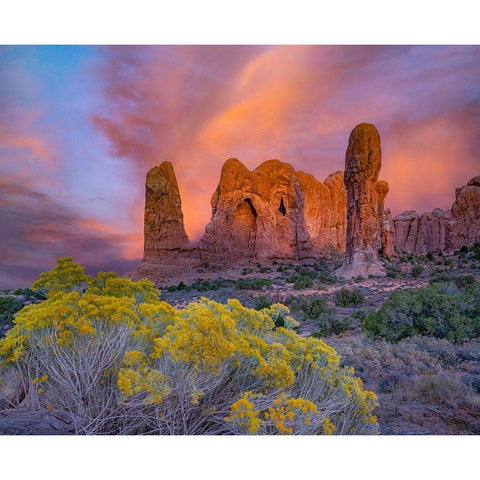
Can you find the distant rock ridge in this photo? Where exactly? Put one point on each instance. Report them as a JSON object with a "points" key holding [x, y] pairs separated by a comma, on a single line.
{"points": [[441, 230], [276, 212]]}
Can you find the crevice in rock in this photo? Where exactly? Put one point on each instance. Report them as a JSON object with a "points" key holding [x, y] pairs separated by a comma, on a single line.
{"points": [[252, 208]]}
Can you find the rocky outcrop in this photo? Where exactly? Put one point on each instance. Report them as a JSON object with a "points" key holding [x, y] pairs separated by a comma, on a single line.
{"points": [[441, 230], [387, 241], [274, 212], [325, 210], [406, 231], [164, 231], [362, 165], [257, 214], [420, 234], [464, 227]]}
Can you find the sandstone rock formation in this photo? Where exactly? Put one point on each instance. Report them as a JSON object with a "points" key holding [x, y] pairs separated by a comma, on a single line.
{"points": [[164, 231], [387, 241], [325, 210], [421, 234], [274, 212], [257, 214], [440, 230], [381, 188], [362, 166], [464, 228]]}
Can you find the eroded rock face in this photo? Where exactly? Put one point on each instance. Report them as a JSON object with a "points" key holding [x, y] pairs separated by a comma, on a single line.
{"points": [[257, 214], [421, 234], [441, 230], [325, 210], [464, 227], [387, 240], [381, 188], [406, 231], [164, 231], [362, 166], [274, 212]]}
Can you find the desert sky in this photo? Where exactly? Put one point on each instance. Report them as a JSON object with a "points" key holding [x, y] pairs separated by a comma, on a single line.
{"points": [[80, 126]]}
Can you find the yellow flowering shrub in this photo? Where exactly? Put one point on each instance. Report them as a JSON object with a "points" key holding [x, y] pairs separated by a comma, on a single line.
{"points": [[120, 360], [65, 277]]}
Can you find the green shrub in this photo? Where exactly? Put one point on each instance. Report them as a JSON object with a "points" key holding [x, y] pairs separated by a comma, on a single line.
{"points": [[332, 325], [9, 306], [326, 278], [262, 302], [253, 283], [309, 308], [476, 251], [442, 310], [441, 275], [448, 262], [429, 256], [393, 272], [213, 285], [349, 297], [417, 270], [302, 282]]}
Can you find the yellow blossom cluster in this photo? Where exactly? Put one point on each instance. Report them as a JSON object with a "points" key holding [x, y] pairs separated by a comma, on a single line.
{"points": [[65, 277]]}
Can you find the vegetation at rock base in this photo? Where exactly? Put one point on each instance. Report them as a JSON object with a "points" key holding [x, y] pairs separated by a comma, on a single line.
{"points": [[349, 297], [119, 360], [417, 270], [448, 310]]}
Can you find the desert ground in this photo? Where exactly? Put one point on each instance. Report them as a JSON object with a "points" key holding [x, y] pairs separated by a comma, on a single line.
{"points": [[424, 385]]}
